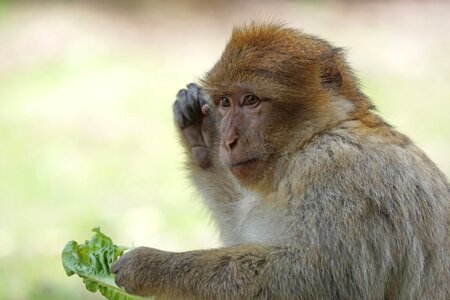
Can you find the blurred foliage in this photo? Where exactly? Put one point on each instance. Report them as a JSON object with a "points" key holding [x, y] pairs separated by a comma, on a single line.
{"points": [[86, 134]]}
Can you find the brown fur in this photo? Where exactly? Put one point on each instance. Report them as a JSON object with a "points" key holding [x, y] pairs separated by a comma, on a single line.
{"points": [[341, 206]]}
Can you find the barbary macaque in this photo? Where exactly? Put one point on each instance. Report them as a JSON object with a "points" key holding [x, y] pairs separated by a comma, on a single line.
{"points": [[315, 195]]}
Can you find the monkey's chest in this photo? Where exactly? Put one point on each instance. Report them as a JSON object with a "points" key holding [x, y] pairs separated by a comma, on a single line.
{"points": [[257, 222]]}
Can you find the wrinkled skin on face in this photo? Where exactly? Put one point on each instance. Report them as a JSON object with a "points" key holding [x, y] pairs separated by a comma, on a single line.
{"points": [[241, 118], [238, 116]]}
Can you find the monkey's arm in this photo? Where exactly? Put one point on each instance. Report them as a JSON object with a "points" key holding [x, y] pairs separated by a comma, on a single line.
{"points": [[240, 272], [195, 123], [330, 257]]}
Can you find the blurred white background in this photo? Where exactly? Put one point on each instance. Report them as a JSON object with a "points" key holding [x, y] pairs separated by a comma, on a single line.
{"points": [[86, 133]]}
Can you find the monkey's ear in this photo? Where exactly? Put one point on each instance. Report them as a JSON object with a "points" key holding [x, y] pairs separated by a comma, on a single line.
{"points": [[330, 75]]}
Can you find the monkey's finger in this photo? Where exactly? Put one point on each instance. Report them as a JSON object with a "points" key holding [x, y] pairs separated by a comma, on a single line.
{"points": [[178, 114], [202, 96], [193, 104], [181, 94], [193, 90], [117, 277], [115, 267], [118, 282], [183, 109], [195, 98], [187, 105]]}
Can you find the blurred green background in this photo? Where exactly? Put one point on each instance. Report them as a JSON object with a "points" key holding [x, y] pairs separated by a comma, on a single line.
{"points": [[86, 133]]}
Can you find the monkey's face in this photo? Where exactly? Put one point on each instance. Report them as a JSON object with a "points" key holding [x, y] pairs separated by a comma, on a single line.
{"points": [[242, 118]]}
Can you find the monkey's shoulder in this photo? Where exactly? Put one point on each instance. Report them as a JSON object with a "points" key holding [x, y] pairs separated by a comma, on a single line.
{"points": [[365, 165]]}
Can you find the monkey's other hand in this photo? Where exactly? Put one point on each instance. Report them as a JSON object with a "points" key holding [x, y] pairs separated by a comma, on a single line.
{"points": [[138, 271], [192, 117]]}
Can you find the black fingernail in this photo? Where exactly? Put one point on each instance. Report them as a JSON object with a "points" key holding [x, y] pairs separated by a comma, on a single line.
{"points": [[181, 93]]}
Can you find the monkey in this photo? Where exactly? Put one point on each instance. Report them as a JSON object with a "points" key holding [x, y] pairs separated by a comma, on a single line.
{"points": [[314, 194]]}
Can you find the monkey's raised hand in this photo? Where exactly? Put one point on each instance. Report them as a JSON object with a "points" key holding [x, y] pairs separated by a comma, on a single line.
{"points": [[191, 113]]}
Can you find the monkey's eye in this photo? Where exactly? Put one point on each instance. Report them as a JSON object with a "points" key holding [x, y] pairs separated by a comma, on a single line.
{"points": [[224, 102], [251, 100]]}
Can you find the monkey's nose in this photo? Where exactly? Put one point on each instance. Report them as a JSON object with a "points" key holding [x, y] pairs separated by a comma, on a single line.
{"points": [[231, 142]]}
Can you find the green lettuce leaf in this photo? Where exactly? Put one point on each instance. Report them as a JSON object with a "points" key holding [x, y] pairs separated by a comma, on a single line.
{"points": [[92, 261]]}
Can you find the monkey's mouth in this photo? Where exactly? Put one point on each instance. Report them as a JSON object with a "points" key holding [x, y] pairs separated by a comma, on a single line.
{"points": [[244, 162], [246, 169]]}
